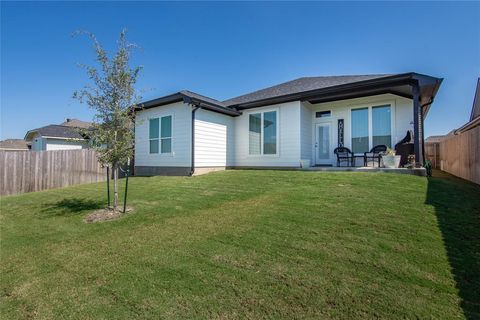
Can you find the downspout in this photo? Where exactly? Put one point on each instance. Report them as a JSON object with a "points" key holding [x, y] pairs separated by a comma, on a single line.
{"points": [[194, 110]]}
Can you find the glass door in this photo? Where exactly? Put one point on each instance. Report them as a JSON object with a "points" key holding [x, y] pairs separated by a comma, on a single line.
{"points": [[323, 143]]}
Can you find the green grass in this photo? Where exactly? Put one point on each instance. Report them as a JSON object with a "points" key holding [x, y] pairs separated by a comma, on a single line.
{"points": [[247, 244]]}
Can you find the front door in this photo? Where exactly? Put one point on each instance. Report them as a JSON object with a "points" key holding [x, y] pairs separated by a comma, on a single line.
{"points": [[323, 143]]}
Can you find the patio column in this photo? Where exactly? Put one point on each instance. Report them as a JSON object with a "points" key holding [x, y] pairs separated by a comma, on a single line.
{"points": [[416, 124]]}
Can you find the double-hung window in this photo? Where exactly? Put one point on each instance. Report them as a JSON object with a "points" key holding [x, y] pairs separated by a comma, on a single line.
{"points": [[160, 135], [371, 126], [262, 133]]}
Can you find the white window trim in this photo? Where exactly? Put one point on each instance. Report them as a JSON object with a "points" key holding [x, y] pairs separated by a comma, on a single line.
{"points": [[262, 155], [160, 154], [369, 106]]}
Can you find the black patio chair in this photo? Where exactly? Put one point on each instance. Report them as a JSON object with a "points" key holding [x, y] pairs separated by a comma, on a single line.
{"points": [[375, 154], [343, 155]]}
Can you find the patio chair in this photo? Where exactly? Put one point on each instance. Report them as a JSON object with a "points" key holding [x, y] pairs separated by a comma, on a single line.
{"points": [[374, 155], [343, 155]]}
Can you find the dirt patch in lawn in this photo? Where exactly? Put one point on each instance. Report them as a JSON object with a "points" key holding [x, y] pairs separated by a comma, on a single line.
{"points": [[106, 214]]}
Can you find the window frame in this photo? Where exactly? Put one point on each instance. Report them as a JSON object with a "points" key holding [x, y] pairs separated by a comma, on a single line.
{"points": [[159, 117], [370, 106], [277, 133], [164, 138], [153, 139]]}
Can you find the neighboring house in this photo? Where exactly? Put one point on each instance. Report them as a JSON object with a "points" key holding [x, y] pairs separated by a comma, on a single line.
{"points": [[66, 136], [474, 115], [459, 151], [300, 121], [14, 145], [434, 139]]}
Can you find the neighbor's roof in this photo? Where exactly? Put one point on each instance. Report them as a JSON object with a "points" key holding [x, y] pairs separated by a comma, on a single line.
{"points": [[15, 144], [55, 130], [77, 123], [312, 89], [434, 139]]}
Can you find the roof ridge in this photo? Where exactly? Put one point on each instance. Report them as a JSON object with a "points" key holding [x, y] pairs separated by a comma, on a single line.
{"points": [[198, 94]]}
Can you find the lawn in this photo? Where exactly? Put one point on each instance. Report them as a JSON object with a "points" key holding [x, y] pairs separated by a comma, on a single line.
{"points": [[247, 244]]}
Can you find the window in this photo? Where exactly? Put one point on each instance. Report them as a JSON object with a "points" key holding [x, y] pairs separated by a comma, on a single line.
{"points": [[166, 134], [160, 135], [255, 131], [360, 130], [381, 126], [371, 127], [323, 114], [270, 132], [154, 135], [263, 133]]}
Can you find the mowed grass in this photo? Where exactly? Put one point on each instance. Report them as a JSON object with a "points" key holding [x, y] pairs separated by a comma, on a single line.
{"points": [[247, 244]]}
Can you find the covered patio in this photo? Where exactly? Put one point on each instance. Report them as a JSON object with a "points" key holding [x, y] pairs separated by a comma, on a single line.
{"points": [[354, 124]]}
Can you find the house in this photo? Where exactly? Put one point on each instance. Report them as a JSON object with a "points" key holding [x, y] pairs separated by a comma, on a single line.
{"points": [[284, 126], [474, 120], [14, 145], [65, 136]]}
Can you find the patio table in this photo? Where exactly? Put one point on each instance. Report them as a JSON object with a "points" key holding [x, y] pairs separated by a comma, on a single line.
{"points": [[358, 156]]}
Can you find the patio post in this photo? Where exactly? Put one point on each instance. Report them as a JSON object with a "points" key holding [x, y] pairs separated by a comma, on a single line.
{"points": [[416, 123]]}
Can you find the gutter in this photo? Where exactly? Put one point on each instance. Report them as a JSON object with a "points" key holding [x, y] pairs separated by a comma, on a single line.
{"points": [[61, 138], [467, 126]]}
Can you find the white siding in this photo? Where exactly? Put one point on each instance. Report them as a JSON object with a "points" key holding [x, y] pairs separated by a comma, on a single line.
{"points": [[288, 142], [181, 136], [214, 143], [402, 115], [306, 131], [60, 144]]}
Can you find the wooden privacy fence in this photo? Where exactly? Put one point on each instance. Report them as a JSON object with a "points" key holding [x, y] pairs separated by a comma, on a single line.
{"points": [[460, 155], [27, 171], [432, 153]]}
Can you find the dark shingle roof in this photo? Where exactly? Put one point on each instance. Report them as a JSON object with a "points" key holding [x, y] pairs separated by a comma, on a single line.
{"points": [[308, 88], [55, 130], [476, 103], [300, 85], [77, 123]]}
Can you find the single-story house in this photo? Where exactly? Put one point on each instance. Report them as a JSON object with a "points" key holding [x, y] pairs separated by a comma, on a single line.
{"points": [[284, 126], [68, 135], [14, 145]]}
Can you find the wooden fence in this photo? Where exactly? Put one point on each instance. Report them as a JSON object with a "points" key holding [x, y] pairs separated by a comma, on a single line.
{"points": [[460, 155], [432, 153], [27, 171]]}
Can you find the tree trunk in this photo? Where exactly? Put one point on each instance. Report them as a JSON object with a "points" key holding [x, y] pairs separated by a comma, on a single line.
{"points": [[115, 187]]}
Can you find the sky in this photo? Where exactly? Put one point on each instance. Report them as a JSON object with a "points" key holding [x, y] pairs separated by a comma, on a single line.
{"points": [[225, 49]]}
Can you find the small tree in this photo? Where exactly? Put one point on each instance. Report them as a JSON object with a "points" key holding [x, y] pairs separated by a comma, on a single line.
{"points": [[112, 95]]}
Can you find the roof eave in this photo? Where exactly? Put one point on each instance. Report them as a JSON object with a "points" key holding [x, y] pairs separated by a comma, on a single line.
{"points": [[378, 83], [305, 95], [180, 97]]}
